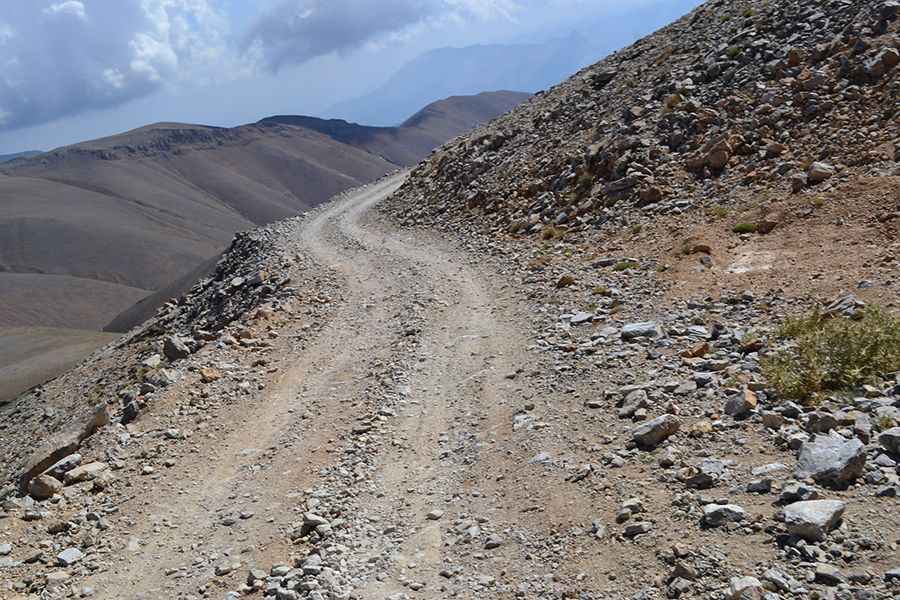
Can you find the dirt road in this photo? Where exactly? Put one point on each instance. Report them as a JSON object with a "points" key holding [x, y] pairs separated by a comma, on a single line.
{"points": [[378, 425]]}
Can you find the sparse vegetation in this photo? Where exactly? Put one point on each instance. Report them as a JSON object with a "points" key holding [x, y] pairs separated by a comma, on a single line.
{"points": [[833, 355], [585, 182], [745, 228], [717, 212], [551, 233], [626, 265]]}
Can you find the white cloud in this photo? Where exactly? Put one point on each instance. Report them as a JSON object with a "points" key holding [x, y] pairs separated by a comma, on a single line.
{"points": [[115, 78], [78, 55], [69, 7]]}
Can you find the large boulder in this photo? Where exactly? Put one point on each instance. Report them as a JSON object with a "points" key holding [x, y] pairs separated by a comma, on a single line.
{"points": [[832, 460], [813, 519], [653, 433], [48, 454], [890, 440], [43, 487], [60, 446]]}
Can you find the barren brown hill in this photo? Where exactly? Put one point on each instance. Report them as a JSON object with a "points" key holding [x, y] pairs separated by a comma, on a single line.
{"points": [[144, 208], [417, 136], [29, 356]]}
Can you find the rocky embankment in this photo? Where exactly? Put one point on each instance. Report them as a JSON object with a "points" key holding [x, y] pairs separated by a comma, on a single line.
{"points": [[71, 453], [662, 213]]}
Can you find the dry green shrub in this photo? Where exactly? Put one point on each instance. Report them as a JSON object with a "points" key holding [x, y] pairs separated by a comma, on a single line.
{"points": [[745, 228], [551, 233], [828, 355], [626, 265]]}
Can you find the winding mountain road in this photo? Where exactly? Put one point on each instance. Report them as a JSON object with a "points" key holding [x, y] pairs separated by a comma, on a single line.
{"points": [[394, 413]]}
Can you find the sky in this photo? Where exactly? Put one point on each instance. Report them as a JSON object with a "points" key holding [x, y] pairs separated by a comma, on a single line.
{"points": [[72, 70]]}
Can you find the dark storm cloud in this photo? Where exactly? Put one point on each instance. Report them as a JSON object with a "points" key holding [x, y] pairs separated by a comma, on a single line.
{"points": [[61, 58], [296, 31]]}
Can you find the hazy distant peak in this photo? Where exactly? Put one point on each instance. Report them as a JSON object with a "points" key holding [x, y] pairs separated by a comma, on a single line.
{"points": [[447, 72]]}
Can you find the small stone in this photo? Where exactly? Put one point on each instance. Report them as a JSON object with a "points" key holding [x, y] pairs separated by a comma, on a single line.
{"points": [[819, 172], [56, 579], [760, 486], [434, 515], [741, 405], [890, 440], [44, 487], [279, 570], [795, 491], [254, 576], [704, 475], [828, 575], [745, 588], [492, 542], [175, 349], [716, 515], [648, 329], [69, 557], [87, 472], [637, 528], [209, 374], [5, 549]]}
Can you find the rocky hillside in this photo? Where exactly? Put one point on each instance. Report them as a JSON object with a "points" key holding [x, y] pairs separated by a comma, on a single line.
{"points": [[669, 214], [653, 352], [739, 102], [255, 270]]}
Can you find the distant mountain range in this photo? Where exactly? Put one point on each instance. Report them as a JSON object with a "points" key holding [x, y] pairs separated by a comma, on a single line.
{"points": [[523, 65], [28, 154], [461, 71]]}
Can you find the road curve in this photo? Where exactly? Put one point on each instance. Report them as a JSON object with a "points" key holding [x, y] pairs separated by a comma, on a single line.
{"points": [[386, 409]]}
